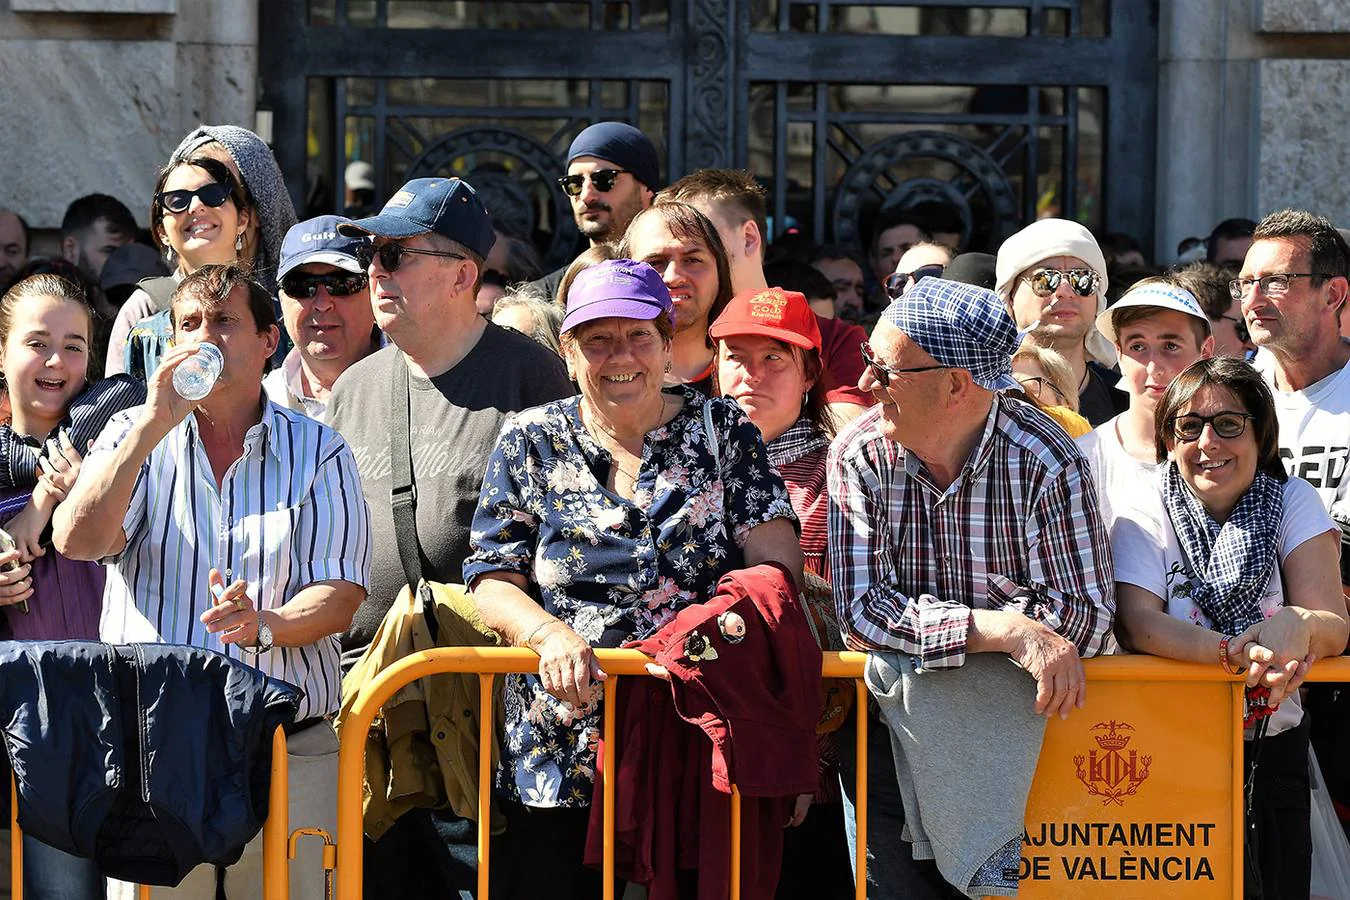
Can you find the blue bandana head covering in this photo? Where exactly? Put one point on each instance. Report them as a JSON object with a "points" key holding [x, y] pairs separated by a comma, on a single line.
{"points": [[961, 326]]}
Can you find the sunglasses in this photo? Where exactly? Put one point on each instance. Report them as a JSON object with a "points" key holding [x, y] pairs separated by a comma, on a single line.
{"points": [[1083, 282], [897, 281], [302, 286], [883, 374], [213, 195], [1189, 427], [391, 255], [601, 179]]}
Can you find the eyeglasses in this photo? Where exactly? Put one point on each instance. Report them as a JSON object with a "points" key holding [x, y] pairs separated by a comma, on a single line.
{"points": [[1226, 424], [1275, 285], [883, 374], [601, 179], [1044, 282], [302, 286], [1239, 328], [1035, 384], [391, 255], [896, 281], [213, 195]]}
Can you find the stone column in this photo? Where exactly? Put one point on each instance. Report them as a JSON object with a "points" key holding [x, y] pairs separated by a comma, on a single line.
{"points": [[97, 102]]}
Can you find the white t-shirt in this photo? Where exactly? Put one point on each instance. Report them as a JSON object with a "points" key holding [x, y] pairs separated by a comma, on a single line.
{"points": [[1147, 553], [1117, 474], [1315, 433]]}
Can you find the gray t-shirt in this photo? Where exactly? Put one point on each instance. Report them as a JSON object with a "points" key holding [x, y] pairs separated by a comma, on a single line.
{"points": [[456, 418]]}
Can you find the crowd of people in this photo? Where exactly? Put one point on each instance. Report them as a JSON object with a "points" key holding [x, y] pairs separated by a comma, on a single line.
{"points": [[730, 453]]}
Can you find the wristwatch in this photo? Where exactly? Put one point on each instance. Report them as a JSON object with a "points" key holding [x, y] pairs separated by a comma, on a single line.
{"points": [[264, 639]]}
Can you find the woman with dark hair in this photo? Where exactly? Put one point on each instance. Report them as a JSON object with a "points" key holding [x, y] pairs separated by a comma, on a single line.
{"points": [[258, 194], [1236, 563]]}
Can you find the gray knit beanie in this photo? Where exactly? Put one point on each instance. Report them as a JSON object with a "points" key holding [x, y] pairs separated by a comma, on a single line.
{"points": [[262, 178]]}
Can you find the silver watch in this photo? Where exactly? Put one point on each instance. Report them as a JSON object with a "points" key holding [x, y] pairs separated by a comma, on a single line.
{"points": [[264, 639]]}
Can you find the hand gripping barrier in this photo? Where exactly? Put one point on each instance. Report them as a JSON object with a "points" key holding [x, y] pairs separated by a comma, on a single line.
{"points": [[1137, 795], [276, 882]]}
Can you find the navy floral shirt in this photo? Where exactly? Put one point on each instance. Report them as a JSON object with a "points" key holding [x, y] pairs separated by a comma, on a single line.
{"points": [[614, 570]]}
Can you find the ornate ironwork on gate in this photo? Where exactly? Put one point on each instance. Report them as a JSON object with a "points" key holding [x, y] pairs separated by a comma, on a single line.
{"points": [[1001, 109]]}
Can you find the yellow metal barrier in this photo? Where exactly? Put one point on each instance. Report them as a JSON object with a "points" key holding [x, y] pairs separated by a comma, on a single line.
{"points": [[276, 882], [489, 662], [1186, 713]]}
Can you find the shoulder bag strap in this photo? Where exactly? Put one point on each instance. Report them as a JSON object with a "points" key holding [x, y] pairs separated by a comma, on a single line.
{"points": [[712, 436], [402, 490]]}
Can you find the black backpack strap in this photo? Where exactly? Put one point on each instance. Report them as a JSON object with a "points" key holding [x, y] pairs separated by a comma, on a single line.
{"points": [[402, 489]]}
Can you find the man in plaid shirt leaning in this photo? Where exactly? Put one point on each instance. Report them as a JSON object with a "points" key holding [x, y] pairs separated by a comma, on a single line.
{"points": [[961, 521]]}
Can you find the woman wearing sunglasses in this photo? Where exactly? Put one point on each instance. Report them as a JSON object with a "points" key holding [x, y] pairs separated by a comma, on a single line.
{"points": [[1231, 562], [249, 188]]}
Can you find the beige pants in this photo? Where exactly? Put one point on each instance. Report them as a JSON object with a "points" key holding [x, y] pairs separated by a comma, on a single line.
{"points": [[312, 755]]}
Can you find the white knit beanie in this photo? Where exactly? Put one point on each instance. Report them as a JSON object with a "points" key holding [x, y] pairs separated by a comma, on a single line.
{"points": [[1046, 238]]}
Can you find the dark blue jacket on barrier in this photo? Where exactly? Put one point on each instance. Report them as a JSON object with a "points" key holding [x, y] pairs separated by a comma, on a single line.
{"points": [[149, 758]]}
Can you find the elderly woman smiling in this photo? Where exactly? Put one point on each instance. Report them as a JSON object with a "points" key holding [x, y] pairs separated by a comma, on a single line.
{"points": [[601, 516]]}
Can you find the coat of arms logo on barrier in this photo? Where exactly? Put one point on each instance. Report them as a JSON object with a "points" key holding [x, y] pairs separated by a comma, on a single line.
{"points": [[1112, 772]]}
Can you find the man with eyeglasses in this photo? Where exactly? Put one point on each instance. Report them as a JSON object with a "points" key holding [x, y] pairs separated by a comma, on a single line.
{"points": [[325, 305], [459, 377], [961, 522], [612, 175], [1052, 274], [1293, 288]]}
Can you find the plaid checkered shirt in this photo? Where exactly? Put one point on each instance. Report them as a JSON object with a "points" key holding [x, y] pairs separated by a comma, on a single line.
{"points": [[1019, 529]]}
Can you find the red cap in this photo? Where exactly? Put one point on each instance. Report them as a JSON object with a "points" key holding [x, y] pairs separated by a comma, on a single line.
{"points": [[770, 312]]}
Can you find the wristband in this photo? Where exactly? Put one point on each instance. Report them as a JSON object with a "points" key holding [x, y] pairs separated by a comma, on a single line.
{"points": [[1223, 656]]}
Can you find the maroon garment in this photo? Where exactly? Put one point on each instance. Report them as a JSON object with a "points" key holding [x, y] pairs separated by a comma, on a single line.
{"points": [[756, 701], [805, 480], [841, 355], [67, 598]]}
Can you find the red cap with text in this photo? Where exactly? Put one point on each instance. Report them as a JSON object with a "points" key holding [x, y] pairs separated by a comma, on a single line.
{"points": [[769, 312]]}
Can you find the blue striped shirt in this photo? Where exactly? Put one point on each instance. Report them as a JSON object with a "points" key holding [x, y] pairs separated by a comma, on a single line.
{"points": [[288, 513]]}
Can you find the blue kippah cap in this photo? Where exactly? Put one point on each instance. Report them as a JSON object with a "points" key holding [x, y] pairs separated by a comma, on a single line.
{"points": [[961, 326], [623, 145]]}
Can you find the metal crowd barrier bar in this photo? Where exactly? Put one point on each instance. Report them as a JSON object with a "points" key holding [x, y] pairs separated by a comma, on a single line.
{"points": [[276, 880], [1116, 673], [488, 662]]}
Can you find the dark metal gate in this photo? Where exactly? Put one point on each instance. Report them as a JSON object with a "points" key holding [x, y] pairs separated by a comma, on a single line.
{"points": [[1004, 109]]}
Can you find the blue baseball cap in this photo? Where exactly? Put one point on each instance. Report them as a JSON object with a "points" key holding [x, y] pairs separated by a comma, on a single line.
{"points": [[616, 287], [318, 240], [447, 206], [962, 326]]}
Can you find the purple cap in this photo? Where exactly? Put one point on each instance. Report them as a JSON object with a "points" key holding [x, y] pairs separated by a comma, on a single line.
{"points": [[616, 287]]}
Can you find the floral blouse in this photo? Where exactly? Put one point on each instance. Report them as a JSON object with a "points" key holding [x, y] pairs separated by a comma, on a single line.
{"points": [[614, 570]]}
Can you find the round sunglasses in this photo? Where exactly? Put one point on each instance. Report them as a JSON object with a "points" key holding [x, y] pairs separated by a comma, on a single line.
{"points": [[601, 179], [213, 195], [1044, 282], [302, 286]]}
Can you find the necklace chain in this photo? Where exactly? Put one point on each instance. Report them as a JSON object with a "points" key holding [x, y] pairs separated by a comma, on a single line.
{"points": [[595, 420]]}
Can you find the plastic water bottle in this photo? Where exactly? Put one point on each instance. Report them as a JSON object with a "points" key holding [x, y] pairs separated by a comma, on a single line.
{"points": [[196, 375]]}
